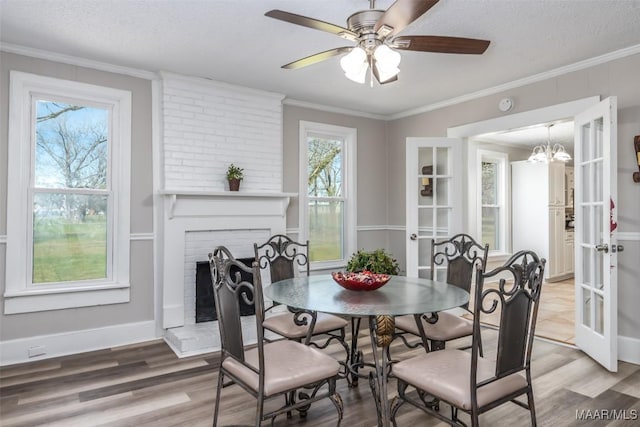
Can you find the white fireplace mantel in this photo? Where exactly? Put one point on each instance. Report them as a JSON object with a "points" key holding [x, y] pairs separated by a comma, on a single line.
{"points": [[218, 197], [186, 211]]}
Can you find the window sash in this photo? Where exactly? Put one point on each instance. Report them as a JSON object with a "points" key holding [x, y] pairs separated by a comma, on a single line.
{"points": [[498, 205], [347, 138], [20, 295]]}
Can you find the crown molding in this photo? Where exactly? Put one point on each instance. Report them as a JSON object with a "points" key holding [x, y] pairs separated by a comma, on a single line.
{"points": [[149, 75], [331, 109], [75, 60], [581, 65]]}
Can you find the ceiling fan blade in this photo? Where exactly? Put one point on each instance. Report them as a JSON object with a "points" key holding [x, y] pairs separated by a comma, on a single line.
{"points": [[316, 24], [441, 44], [318, 57], [374, 69], [402, 13]]}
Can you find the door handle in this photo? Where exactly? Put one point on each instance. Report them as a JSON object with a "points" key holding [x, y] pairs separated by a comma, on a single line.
{"points": [[617, 248], [603, 248], [413, 236]]}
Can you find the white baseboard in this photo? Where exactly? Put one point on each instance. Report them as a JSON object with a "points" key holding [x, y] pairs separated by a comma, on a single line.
{"points": [[629, 349], [54, 345]]}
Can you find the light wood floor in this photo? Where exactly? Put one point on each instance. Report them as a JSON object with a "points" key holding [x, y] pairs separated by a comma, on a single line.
{"points": [[146, 385]]}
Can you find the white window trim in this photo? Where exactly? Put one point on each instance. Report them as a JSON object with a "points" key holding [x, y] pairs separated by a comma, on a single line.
{"points": [[502, 159], [350, 137], [19, 296]]}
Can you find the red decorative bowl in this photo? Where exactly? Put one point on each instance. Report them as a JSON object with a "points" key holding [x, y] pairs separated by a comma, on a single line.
{"points": [[363, 281]]}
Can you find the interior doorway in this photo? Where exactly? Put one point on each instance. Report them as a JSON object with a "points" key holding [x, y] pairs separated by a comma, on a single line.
{"points": [[518, 134]]}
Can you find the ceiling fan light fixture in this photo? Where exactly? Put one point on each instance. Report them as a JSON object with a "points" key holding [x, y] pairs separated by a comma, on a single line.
{"points": [[387, 61], [355, 65]]}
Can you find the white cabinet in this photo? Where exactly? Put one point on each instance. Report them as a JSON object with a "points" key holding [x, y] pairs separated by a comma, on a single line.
{"points": [[568, 186], [556, 183], [538, 221]]}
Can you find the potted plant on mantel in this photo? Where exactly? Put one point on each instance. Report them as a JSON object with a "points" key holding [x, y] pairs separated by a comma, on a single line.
{"points": [[234, 176], [377, 261]]}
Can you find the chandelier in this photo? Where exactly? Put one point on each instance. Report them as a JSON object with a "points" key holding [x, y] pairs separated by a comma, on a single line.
{"points": [[547, 153]]}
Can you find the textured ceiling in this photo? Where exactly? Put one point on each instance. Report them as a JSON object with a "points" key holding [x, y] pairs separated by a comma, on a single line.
{"points": [[232, 41]]}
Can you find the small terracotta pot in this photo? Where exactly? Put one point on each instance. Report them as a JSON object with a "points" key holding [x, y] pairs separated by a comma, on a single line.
{"points": [[234, 184]]}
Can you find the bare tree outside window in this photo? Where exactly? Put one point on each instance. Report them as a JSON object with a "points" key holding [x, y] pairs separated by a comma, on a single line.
{"points": [[71, 195]]}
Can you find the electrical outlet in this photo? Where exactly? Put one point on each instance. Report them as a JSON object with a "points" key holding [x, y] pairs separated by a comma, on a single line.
{"points": [[38, 350]]}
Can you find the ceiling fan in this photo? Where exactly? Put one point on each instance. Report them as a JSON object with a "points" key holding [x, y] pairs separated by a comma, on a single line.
{"points": [[375, 33]]}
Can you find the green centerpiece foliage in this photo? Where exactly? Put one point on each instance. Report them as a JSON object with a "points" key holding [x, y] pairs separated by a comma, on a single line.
{"points": [[376, 261]]}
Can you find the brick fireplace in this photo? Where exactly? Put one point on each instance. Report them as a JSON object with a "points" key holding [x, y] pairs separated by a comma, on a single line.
{"points": [[206, 126]]}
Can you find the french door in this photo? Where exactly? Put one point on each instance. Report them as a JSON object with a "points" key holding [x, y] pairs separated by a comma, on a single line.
{"points": [[434, 198], [596, 287]]}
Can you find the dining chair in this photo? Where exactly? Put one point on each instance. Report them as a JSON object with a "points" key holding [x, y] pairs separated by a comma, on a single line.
{"points": [[283, 257], [458, 257], [467, 381], [268, 369]]}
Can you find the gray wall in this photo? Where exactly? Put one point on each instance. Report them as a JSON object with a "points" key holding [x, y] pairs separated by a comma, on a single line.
{"points": [[140, 307], [619, 78]]}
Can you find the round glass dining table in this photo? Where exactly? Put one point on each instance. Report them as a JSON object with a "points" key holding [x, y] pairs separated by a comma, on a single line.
{"points": [[400, 296]]}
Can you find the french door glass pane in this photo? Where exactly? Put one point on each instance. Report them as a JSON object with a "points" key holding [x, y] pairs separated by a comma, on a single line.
{"points": [[71, 146], [586, 307], [598, 125], [425, 160], [443, 218], [424, 253], [326, 229], [442, 191], [69, 237], [442, 161], [599, 315]]}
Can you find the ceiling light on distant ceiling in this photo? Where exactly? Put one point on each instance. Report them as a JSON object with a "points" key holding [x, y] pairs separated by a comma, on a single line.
{"points": [[546, 153]]}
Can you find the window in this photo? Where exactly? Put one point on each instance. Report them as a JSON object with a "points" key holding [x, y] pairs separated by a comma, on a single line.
{"points": [[68, 205], [327, 196], [492, 191]]}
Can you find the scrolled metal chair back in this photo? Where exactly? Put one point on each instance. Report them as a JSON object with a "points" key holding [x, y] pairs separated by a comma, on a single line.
{"points": [[516, 295], [283, 256], [461, 254], [228, 288]]}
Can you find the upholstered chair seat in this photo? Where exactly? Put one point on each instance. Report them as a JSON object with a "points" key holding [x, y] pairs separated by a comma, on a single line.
{"points": [[287, 365], [446, 374], [283, 324], [448, 327]]}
